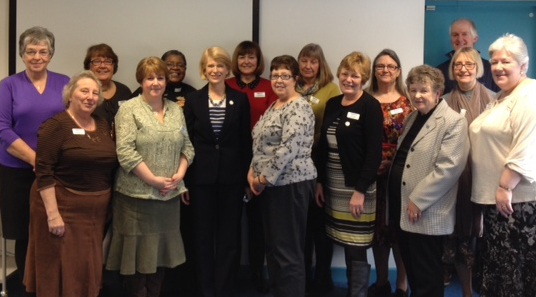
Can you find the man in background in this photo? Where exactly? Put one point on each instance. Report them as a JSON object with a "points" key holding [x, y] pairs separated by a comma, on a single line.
{"points": [[463, 33]]}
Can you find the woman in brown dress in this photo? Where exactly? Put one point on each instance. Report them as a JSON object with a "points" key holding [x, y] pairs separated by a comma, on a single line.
{"points": [[75, 159]]}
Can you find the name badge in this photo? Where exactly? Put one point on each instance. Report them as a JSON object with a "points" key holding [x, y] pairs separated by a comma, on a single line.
{"points": [[463, 112], [314, 100], [259, 94], [353, 115], [178, 90], [396, 111], [78, 131]]}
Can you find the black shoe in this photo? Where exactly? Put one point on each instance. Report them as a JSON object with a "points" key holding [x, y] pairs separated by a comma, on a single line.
{"points": [[261, 286], [379, 291], [400, 293], [322, 288]]}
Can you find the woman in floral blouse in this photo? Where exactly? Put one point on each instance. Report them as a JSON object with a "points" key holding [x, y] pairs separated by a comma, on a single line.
{"points": [[283, 174], [387, 86]]}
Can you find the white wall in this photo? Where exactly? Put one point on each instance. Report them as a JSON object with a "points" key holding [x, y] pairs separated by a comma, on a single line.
{"points": [[4, 27], [343, 26], [136, 29]]}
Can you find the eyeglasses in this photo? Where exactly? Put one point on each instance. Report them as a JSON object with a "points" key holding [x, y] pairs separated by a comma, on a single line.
{"points": [[106, 62], [283, 77], [389, 67], [175, 65], [468, 66], [32, 53]]}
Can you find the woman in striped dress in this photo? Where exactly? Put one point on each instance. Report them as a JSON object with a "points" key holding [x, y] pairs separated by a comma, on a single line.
{"points": [[350, 153]]}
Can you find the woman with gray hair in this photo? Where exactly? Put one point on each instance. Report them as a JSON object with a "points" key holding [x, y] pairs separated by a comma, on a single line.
{"points": [[28, 98], [504, 174], [423, 181], [75, 161]]}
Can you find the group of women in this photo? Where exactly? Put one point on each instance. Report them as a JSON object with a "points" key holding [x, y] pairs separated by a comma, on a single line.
{"points": [[387, 166]]}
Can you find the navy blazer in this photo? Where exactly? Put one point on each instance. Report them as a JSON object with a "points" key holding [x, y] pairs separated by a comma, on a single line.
{"points": [[224, 160]]}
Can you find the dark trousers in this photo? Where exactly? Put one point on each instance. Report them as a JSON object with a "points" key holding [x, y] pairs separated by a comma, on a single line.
{"points": [[285, 217], [216, 214], [317, 240], [255, 236], [422, 258]]}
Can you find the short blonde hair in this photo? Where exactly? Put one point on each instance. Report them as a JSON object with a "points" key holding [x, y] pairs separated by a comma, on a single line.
{"points": [[359, 62], [218, 54], [470, 53], [68, 90], [151, 65]]}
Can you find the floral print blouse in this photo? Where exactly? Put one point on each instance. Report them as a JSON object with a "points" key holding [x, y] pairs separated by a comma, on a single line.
{"points": [[394, 114], [282, 143]]}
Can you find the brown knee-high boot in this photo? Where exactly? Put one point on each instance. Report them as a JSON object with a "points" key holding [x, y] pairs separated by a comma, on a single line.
{"points": [[135, 285], [153, 283]]}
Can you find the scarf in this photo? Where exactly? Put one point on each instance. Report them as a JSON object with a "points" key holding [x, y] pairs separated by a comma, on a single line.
{"points": [[474, 104], [309, 93]]}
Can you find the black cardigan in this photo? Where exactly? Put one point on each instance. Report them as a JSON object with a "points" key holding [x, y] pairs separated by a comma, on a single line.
{"points": [[359, 139]]}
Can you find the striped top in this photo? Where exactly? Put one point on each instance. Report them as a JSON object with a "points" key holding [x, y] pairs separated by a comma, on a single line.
{"points": [[216, 111]]}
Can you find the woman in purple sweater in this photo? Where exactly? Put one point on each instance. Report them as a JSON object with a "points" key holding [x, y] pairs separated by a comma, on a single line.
{"points": [[28, 99]]}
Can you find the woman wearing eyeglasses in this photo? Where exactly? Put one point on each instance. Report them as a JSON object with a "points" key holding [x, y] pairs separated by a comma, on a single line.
{"points": [[176, 89], [103, 62], [27, 99], [349, 155], [387, 86], [283, 175], [470, 98]]}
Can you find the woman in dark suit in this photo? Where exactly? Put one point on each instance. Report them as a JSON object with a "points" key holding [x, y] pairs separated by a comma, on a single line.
{"points": [[218, 121]]}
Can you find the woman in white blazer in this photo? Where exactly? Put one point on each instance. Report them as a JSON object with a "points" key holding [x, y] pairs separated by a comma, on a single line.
{"points": [[423, 181]]}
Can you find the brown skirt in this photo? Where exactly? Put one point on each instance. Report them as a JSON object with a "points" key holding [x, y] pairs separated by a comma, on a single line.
{"points": [[70, 265]]}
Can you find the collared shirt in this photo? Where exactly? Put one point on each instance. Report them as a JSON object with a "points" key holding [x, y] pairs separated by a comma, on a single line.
{"points": [[252, 85]]}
